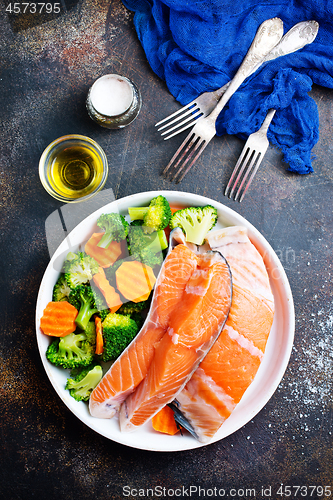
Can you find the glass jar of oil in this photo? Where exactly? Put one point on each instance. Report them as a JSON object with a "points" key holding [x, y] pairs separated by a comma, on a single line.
{"points": [[73, 168]]}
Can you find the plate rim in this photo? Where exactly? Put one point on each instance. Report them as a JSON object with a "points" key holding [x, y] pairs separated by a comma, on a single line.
{"points": [[257, 239]]}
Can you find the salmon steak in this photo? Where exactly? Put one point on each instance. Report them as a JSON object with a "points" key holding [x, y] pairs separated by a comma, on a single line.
{"points": [[192, 328], [230, 366], [131, 367]]}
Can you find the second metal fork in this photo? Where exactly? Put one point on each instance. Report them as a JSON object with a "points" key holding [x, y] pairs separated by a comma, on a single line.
{"points": [[249, 160], [267, 36], [297, 37]]}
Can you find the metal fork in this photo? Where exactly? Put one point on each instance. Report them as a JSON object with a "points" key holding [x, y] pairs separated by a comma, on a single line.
{"points": [[267, 36], [249, 160], [296, 38]]}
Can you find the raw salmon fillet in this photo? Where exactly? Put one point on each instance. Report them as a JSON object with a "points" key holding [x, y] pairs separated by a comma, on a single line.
{"points": [[229, 368], [192, 329], [132, 366]]}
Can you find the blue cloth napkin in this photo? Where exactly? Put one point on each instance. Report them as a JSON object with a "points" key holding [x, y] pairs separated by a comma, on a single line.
{"points": [[198, 45]]}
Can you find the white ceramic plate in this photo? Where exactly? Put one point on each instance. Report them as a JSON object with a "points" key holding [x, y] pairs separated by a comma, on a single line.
{"points": [[272, 368]]}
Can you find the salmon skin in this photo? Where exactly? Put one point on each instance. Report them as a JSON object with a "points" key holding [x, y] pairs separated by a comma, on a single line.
{"points": [[229, 368], [131, 367], [191, 330]]}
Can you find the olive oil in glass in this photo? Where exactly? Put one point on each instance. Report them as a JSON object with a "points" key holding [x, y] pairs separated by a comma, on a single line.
{"points": [[75, 167]]}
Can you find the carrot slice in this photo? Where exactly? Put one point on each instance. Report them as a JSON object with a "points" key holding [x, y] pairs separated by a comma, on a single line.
{"points": [[112, 298], [99, 335], [135, 280], [164, 421], [58, 319], [175, 207], [104, 256]]}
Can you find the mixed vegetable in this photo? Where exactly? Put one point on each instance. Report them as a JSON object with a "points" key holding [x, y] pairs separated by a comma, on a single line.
{"points": [[103, 293]]}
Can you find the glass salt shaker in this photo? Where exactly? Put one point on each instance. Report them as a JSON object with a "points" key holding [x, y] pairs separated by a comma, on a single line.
{"points": [[113, 101]]}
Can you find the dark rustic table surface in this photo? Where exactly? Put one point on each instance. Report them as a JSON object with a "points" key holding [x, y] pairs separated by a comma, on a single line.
{"points": [[47, 67]]}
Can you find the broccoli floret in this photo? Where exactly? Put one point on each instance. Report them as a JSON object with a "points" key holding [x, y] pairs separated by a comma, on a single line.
{"points": [[118, 332], [134, 309], [90, 332], [156, 240], [61, 290], [115, 227], [82, 384], [100, 302], [72, 351], [155, 217], [195, 222], [103, 314], [139, 320], [148, 248], [136, 222], [128, 308], [82, 297], [79, 268]]}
